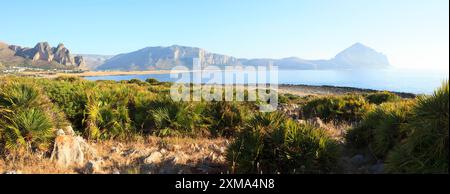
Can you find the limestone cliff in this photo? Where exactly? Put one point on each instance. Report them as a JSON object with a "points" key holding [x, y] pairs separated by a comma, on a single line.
{"points": [[44, 52]]}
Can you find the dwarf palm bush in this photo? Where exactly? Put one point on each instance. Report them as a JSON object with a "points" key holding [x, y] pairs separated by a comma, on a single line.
{"points": [[257, 146], [310, 148], [425, 150], [107, 114], [176, 118], [382, 97], [27, 118], [70, 95], [226, 117], [31, 127], [17, 95], [381, 128], [270, 143], [337, 108]]}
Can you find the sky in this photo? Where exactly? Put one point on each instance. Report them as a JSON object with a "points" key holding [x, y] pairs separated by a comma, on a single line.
{"points": [[412, 33]]}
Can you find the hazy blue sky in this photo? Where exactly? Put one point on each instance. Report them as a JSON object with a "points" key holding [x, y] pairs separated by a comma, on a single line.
{"points": [[413, 33]]}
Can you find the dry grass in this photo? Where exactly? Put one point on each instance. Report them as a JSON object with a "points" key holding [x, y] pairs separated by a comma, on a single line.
{"points": [[337, 130], [31, 163], [180, 155]]}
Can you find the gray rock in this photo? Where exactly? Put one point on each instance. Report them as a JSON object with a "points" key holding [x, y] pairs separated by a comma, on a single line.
{"points": [[69, 150], [155, 157], [92, 167], [178, 158], [116, 171], [60, 132]]}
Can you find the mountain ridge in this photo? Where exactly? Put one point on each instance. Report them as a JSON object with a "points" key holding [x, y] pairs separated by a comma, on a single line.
{"points": [[163, 58]]}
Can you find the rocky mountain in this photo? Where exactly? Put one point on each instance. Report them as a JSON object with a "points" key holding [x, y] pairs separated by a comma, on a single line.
{"points": [[40, 55], [158, 58], [360, 56]]}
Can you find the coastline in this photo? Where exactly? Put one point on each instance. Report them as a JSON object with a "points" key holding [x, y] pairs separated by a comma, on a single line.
{"points": [[97, 73], [296, 89]]}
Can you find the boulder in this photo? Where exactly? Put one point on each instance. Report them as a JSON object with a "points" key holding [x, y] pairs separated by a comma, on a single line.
{"points": [[70, 150], [67, 151], [155, 157], [60, 132], [178, 158]]}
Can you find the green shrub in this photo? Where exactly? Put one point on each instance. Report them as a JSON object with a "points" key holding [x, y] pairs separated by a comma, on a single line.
{"points": [[176, 118], [226, 118], [31, 127], [27, 118], [425, 150], [348, 108], [152, 81], [107, 113], [270, 143], [138, 82], [139, 111], [70, 95], [69, 79], [381, 128], [288, 98], [19, 96], [382, 97]]}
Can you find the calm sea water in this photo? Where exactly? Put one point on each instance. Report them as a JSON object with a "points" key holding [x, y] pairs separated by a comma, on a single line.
{"points": [[399, 80]]}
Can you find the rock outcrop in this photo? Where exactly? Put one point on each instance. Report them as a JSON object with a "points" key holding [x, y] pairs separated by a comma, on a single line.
{"points": [[70, 150], [44, 52]]}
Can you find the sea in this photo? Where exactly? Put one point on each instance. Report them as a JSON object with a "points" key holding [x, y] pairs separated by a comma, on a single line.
{"points": [[398, 80]]}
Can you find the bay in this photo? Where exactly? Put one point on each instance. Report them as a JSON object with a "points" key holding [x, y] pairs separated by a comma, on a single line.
{"points": [[398, 80]]}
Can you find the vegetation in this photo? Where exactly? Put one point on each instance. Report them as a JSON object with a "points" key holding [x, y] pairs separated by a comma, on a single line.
{"points": [[412, 136], [270, 143], [409, 135], [382, 97], [27, 118], [381, 128], [227, 118], [347, 108], [425, 149]]}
